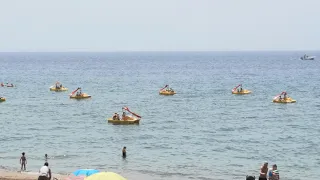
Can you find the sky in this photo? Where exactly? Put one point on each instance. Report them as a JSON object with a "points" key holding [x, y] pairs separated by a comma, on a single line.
{"points": [[159, 25]]}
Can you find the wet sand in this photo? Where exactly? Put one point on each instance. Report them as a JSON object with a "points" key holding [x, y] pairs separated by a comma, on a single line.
{"points": [[17, 175]]}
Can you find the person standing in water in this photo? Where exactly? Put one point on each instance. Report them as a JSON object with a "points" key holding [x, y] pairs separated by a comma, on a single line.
{"points": [[274, 173], [124, 152], [46, 157], [263, 171], [23, 162]]}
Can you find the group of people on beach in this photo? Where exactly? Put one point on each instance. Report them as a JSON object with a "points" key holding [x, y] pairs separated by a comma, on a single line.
{"points": [[44, 172], [268, 174]]}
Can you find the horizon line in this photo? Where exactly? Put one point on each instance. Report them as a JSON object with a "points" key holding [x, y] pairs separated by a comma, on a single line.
{"points": [[151, 51]]}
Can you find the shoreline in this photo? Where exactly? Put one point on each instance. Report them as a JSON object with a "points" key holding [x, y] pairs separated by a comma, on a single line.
{"points": [[17, 175], [10, 174]]}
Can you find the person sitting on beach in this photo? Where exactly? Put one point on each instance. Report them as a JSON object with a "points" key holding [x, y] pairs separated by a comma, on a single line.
{"points": [[23, 162], [124, 152], [45, 172], [263, 171]]}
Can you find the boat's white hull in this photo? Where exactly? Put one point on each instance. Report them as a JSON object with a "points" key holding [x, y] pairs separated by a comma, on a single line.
{"points": [[308, 58]]}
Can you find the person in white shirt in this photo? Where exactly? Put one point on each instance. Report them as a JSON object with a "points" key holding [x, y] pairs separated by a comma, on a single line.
{"points": [[45, 172]]}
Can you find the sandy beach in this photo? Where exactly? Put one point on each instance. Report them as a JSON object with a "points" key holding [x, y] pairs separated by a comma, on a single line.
{"points": [[11, 175], [17, 175]]}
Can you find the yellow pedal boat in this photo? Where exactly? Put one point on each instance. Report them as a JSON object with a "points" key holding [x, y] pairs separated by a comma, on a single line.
{"points": [[167, 91], [244, 91], [53, 88], [58, 87], [2, 99], [77, 94], [125, 120], [238, 90], [284, 99], [81, 96]]}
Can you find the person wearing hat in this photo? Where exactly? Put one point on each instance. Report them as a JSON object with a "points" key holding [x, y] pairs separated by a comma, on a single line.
{"points": [[263, 171]]}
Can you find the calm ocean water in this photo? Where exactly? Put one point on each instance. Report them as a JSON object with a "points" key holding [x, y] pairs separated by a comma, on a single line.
{"points": [[202, 132]]}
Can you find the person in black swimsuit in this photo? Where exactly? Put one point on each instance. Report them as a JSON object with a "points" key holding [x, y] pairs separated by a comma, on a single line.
{"points": [[124, 152]]}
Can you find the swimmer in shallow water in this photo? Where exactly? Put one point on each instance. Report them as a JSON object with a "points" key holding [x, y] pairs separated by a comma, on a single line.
{"points": [[124, 152]]}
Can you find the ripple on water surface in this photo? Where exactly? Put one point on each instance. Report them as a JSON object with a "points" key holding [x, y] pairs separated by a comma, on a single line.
{"points": [[202, 132]]}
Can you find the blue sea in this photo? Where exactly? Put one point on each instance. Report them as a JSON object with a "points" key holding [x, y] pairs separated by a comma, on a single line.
{"points": [[201, 133]]}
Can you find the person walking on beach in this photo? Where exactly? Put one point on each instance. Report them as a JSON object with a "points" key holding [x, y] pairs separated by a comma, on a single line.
{"points": [[124, 152], [23, 162], [45, 172], [263, 171]]}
